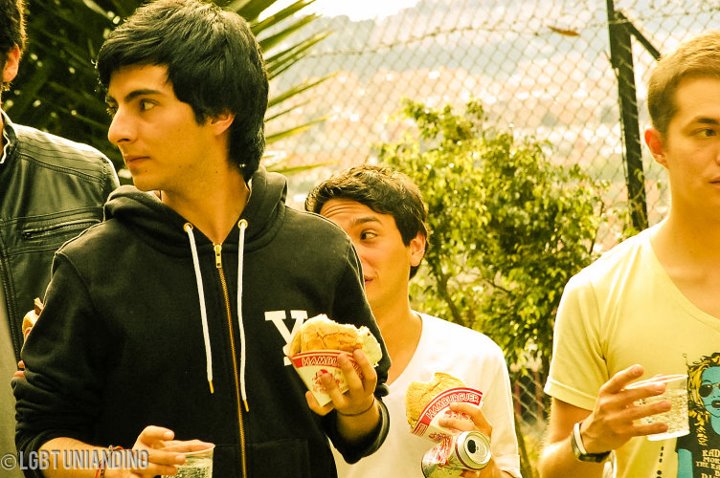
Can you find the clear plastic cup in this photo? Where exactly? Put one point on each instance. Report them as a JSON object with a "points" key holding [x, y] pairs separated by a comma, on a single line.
{"points": [[676, 393], [198, 464]]}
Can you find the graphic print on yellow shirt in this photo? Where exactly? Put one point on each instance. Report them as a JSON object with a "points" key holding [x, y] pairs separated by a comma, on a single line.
{"points": [[699, 452]]}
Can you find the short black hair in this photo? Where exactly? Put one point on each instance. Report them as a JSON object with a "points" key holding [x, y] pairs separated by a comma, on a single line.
{"points": [[382, 189], [12, 28], [213, 60]]}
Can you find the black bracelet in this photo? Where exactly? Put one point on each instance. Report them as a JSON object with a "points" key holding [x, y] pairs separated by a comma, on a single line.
{"points": [[358, 413]]}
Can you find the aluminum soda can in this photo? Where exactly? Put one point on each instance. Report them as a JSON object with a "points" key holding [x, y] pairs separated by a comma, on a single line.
{"points": [[456, 454]]}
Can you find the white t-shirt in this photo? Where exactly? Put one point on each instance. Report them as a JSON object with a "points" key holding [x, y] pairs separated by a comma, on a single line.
{"points": [[466, 354]]}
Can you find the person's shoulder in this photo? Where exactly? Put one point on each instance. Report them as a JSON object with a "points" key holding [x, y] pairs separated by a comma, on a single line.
{"points": [[43, 147], [103, 236], [318, 223]]}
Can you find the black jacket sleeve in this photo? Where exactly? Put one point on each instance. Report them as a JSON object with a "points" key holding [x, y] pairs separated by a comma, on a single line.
{"points": [[351, 306], [60, 395]]}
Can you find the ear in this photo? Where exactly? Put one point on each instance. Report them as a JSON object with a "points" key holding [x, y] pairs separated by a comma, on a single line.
{"points": [[417, 249], [222, 122], [12, 63], [656, 144]]}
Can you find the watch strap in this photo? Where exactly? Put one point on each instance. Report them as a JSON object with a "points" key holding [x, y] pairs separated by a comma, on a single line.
{"points": [[579, 448]]}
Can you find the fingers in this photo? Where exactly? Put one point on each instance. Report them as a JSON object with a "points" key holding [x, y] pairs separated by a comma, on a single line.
{"points": [[621, 379], [315, 405], [164, 454], [619, 409], [475, 413], [159, 462], [184, 446], [153, 436], [20, 372], [369, 376], [466, 417], [361, 379], [358, 382]]}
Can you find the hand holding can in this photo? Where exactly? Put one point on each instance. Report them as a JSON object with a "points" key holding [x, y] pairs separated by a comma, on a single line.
{"points": [[456, 454]]}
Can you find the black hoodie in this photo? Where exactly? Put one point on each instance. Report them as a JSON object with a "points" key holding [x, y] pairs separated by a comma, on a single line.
{"points": [[121, 343]]}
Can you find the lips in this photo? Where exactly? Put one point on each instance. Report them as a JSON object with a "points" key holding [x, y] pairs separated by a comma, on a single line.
{"points": [[129, 159]]}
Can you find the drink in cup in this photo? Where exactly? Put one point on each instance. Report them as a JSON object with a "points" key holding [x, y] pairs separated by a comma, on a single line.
{"points": [[676, 393], [198, 464]]}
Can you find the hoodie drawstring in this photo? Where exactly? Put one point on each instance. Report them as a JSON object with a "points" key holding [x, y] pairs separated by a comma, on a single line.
{"points": [[203, 311], [242, 224]]}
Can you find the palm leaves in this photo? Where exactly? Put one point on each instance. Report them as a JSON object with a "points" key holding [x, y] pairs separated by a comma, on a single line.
{"points": [[56, 89]]}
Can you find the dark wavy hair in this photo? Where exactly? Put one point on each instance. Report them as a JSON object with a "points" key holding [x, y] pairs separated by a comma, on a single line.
{"points": [[383, 190], [213, 60], [12, 28]]}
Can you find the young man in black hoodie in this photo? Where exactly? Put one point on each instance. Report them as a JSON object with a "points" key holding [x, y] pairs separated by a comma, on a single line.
{"points": [[168, 320]]}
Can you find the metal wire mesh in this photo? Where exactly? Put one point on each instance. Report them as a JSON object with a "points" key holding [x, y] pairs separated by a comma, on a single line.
{"points": [[540, 67]]}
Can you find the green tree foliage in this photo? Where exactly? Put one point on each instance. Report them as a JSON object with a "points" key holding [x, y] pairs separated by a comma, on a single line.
{"points": [[57, 89], [509, 227]]}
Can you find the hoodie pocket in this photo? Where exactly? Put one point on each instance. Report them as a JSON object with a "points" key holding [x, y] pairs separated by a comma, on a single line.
{"points": [[280, 459]]}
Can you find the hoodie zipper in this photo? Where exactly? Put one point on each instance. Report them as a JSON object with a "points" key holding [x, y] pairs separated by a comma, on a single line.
{"points": [[236, 374]]}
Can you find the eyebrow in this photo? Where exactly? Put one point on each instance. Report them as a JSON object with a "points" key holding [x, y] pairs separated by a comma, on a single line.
{"points": [[364, 220], [133, 94], [706, 120]]}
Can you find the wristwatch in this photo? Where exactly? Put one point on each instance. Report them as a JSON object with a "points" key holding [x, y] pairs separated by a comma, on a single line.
{"points": [[579, 449]]}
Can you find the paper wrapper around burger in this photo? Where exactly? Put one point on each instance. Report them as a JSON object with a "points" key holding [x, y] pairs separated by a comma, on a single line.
{"points": [[427, 402], [314, 350]]}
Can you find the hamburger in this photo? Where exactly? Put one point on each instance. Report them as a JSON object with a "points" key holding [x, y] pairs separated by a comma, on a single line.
{"points": [[321, 333], [420, 394]]}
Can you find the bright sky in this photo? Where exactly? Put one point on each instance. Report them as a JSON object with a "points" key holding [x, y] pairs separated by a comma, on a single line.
{"points": [[355, 9]]}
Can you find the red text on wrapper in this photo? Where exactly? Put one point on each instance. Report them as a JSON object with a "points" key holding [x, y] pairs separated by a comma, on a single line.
{"points": [[439, 407]]}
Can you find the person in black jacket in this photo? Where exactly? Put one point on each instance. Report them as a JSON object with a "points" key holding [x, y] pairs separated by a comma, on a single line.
{"points": [[52, 189], [169, 319]]}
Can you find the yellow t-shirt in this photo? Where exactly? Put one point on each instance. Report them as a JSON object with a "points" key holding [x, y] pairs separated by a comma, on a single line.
{"points": [[624, 309]]}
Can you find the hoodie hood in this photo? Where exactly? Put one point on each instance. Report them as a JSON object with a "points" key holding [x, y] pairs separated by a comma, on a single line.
{"points": [[163, 228]]}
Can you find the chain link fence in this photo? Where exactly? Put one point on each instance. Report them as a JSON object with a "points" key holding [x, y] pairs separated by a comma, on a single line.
{"points": [[543, 68]]}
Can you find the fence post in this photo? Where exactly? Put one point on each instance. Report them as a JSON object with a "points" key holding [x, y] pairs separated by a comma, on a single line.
{"points": [[621, 58]]}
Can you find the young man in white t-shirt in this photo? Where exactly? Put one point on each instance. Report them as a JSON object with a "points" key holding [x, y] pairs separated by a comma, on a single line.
{"points": [[383, 213]]}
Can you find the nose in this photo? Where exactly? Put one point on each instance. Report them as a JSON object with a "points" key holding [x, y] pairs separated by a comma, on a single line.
{"points": [[121, 129]]}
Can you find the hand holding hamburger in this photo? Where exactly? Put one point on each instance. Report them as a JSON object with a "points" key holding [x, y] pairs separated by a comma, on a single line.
{"points": [[335, 361], [442, 406]]}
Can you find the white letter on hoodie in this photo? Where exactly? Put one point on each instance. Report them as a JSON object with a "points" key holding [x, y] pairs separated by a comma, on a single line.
{"points": [[278, 317]]}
